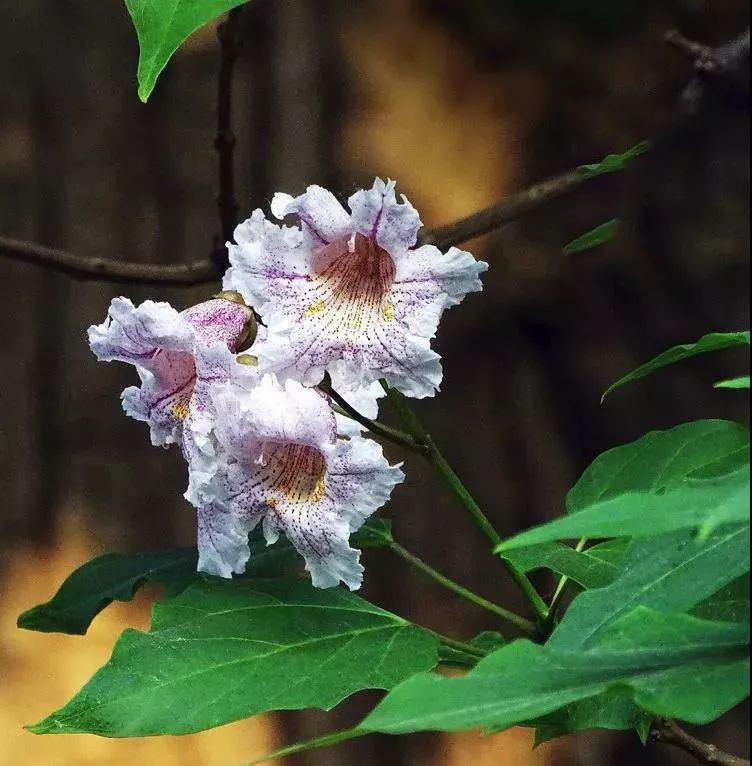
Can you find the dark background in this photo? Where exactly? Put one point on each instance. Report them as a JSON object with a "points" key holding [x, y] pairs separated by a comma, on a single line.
{"points": [[461, 102]]}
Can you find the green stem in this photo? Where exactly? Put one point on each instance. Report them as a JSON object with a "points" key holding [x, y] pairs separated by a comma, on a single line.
{"points": [[325, 740], [460, 646], [387, 432], [520, 622], [561, 589], [440, 463]]}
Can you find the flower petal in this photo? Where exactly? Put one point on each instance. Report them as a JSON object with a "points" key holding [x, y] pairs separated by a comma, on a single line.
{"points": [[427, 282], [164, 398], [133, 334], [376, 214], [267, 412], [218, 321], [324, 220], [223, 540]]}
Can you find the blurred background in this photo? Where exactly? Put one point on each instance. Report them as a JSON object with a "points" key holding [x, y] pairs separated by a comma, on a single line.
{"points": [[462, 102]]}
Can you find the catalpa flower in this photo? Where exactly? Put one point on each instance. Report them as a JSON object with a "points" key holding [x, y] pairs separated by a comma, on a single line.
{"points": [[178, 356], [349, 289], [280, 463]]}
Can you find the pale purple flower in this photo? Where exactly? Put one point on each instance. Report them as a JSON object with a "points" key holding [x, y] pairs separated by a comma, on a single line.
{"points": [[178, 356], [349, 290], [280, 462]]}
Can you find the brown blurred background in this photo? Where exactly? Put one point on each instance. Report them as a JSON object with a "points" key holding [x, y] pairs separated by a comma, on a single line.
{"points": [[461, 102]]}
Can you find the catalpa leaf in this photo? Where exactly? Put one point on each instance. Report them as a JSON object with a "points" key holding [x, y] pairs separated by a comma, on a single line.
{"points": [[224, 650], [592, 567], [738, 384], [660, 460], [672, 572], [601, 234], [613, 163], [666, 661], [698, 505], [695, 476], [716, 341], [729, 604], [118, 576], [162, 26]]}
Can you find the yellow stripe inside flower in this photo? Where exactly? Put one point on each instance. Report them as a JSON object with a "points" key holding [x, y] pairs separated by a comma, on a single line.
{"points": [[297, 473], [348, 296]]}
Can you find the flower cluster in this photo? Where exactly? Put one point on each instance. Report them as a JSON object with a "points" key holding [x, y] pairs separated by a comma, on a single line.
{"points": [[343, 293]]}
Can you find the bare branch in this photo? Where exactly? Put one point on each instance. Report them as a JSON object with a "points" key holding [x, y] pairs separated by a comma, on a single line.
{"points": [[106, 270], [724, 69], [504, 211], [198, 272], [668, 731], [224, 143]]}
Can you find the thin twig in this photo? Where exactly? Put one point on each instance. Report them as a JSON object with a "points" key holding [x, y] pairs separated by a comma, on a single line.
{"points": [[107, 270], [668, 731], [520, 622], [378, 429], [224, 143], [198, 272], [561, 589], [508, 209], [434, 456], [723, 69]]}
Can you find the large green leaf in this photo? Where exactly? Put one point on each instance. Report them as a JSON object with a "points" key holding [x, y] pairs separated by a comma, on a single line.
{"points": [[593, 567], [666, 661], [613, 163], [601, 234], [162, 26], [672, 572], [662, 459], [613, 709], [713, 342], [701, 505], [113, 577], [729, 604], [117, 577], [226, 650], [693, 476]]}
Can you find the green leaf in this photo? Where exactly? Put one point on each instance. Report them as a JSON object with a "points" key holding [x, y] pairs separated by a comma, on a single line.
{"points": [[226, 650], [695, 476], [716, 341], [486, 641], [613, 163], [593, 567], [734, 383], [113, 577], [597, 236], [729, 604], [662, 459], [375, 533], [672, 572], [614, 709], [118, 576], [162, 26], [668, 662]]}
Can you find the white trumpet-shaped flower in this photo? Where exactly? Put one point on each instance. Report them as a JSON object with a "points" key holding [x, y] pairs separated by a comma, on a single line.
{"points": [[178, 356], [279, 462], [349, 291]]}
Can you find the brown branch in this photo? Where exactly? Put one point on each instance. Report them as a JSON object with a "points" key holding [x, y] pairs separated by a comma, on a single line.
{"points": [[224, 142], [668, 731], [79, 267], [504, 211], [723, 69], [106, 270]]}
